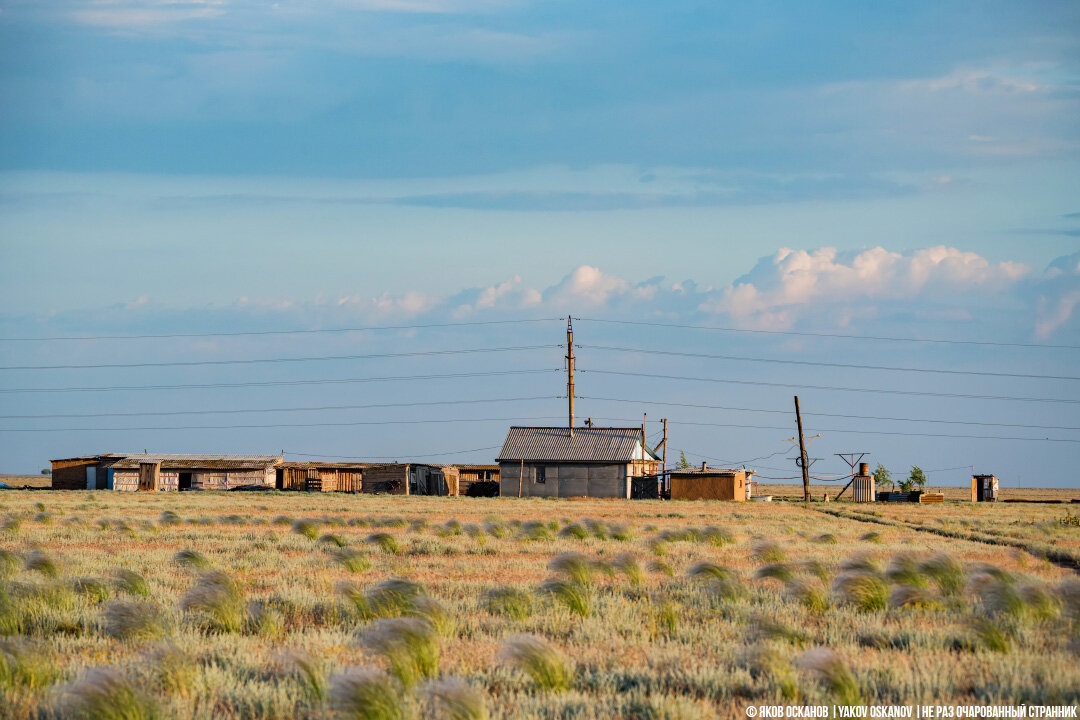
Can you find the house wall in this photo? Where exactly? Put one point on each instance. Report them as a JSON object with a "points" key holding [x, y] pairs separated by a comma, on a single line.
{"points": [[127, 480], [700, 486], [566, 480]]}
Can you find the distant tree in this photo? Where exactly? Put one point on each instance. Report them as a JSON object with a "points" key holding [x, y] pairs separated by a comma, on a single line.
{"points": [[46, 471], [883, 477], [683, 462], [915, 481]]}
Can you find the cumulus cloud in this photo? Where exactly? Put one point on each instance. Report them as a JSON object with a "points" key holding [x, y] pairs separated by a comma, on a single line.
{"points": [[1059, 295], [776, 292]]}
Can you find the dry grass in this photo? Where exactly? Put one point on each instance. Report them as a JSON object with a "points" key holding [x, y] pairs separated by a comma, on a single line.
{"points": [[694, 609]]}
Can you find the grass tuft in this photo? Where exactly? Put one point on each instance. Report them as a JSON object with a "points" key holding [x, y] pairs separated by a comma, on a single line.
{"points": [[385, 542], [131, 582], [307, 669], [307, 528], [509, 601], [457, 700], [219, 602], [829, 669], [628, 565], [103, 693], [776, 571], [351, 560], [133, 620], [574, 530], [946, 572], [569, 593], [191, 559], [362, 694], [864, 590], [24, 667], [173, 669], [913, 596], [573, 565], [38, 561], [539, 660], [810, 594], [409, 644], [768, 551]]}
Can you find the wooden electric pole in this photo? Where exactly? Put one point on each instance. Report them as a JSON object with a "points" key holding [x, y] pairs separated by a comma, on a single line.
{"points": [[570, 370], [802, 454]]}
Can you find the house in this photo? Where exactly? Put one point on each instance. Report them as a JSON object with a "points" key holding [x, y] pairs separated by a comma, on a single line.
{"points": [[577, 462], [88, 472], [192, 472], [411, 479], [321, 477], [478, 480], [706, 483]]}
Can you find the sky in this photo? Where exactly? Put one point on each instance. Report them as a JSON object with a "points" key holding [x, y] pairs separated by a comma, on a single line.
{"points": [[440, 171]]}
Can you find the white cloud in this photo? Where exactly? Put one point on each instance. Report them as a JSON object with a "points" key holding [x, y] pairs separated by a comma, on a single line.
{"points": [[779, 289], [586, 286]]}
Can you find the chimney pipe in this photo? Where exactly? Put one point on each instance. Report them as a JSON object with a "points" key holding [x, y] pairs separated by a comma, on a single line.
{"points": [[864, 469], [704, 466]]}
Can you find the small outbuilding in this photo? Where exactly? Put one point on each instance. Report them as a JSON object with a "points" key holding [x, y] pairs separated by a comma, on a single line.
{"points": [[582, 462], [411, 479], [321, 477], [706, 483], [984, 488], [478, 480]]}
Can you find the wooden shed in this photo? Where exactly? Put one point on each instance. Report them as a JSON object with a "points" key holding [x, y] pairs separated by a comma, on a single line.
{"points": [[411, 479], [193, 472], [707, 483], [984, 488], [587, 462], [478, 480], [89, 472], [321, 477]]}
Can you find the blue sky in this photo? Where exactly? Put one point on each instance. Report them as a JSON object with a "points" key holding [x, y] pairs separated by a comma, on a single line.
{"points": [[215, 165]]}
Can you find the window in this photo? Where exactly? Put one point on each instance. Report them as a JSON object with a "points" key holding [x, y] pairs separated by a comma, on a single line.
{"points": [[541, 475]]}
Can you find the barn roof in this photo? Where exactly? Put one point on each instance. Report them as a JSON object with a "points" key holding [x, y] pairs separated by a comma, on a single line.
{"points": [[555, 444], [201, 462]]}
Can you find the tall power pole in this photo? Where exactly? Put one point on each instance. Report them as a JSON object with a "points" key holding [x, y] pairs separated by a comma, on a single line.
{"points": [[570, 369], [802, 454]]}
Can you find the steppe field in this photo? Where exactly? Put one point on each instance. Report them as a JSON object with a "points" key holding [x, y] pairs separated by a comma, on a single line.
{"points": [[290, 605]]}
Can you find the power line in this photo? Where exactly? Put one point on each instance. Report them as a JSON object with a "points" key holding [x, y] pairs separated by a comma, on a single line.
{"points": [[281, 425], [368, 328], [277, 410], [254, 361], [879, 432], [832, 387], [279, 383], [388, 457], [833, 415], [889, 368], [831, 335]]}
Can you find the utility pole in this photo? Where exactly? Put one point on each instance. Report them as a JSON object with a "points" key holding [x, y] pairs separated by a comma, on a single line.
{"points": [[664, 443], [570, 369], [802, 454]]}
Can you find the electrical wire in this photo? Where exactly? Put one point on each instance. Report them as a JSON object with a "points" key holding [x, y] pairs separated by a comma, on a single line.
{"points": [[279, 383], [922, 393], [241, 333], [832, 415], [388, 457], [282, 425], [844, 336], [279, 410], [255, 361], [888, 368]]}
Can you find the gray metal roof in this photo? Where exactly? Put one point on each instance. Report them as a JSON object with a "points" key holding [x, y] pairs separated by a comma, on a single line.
{"points": [[710, 471], [198, 462], [554, 444]]}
